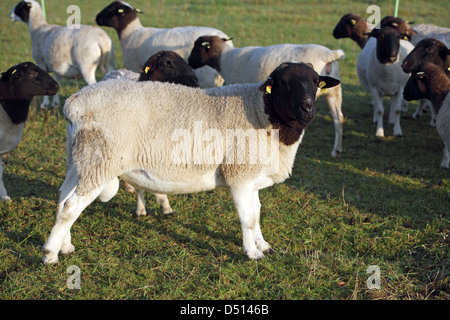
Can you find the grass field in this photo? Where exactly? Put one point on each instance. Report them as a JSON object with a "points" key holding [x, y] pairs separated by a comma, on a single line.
{"points": [[382, 202]]}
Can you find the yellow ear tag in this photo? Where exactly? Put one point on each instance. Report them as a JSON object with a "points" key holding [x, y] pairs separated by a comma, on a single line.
{"points": [[448, 68], [146, 69], [269, 89], [353, 21], [321, 85], [120, 11], [420, 74], [13, 71]]}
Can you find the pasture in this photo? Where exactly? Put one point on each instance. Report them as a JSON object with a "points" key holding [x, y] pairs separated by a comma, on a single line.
{"points": [[382, 202]]}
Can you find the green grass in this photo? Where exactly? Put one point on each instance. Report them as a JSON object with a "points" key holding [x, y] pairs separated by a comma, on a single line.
{"points": [[382, 202]]}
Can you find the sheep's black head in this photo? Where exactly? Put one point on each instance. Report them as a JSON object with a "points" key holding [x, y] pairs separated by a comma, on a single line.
{"points": [[351, 26], [428, 50], [207, 51], [117, 15], [21, 12], [19, 84], [27, 80], [168, 66], [399, 24], [388, 44], [290, 94], [426, 79]]}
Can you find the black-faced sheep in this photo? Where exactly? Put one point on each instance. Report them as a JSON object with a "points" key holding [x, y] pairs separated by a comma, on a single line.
{"points": [[138, 43], [65, 52], [18, 86], [353, 27], [254, 64], [379, 72], [429, 81], [179, 139]]}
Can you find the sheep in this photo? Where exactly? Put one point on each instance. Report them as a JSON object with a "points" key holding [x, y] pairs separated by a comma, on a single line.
{"points": [[379, 72], [18, 85], [427, 50], [175, 143], [429, 81], [69, 53], [138, 43], [253, 64], [353, 27]]}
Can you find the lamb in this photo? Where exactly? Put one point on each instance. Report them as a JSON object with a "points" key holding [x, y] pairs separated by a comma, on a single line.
{"points": [[175, 143], [18, 85], [353, 27], [138, 43], [253, 64], [431, 82], [66, 52], [379, 72], [428, 50]]}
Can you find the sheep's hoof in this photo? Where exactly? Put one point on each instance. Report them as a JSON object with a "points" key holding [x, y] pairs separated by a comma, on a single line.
{"points": [[67, 249], [263, 246], [255, 254], [49, 257], [140, 213], [5, 198]]}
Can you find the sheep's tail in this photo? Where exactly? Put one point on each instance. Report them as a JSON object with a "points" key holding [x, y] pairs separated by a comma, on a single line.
{"points": [[334, 55], [107, 58]]}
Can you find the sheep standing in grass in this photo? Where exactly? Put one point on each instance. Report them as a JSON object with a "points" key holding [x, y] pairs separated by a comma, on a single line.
{"points": [[431, 82], [170, 138], [427, 50], [138, 43], [69, 53], [380, 73], [18, 86], [253, 64]]}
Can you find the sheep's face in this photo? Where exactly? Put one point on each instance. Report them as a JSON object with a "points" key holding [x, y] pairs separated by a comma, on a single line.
{"points": [[291, 92], [207, 51], [27, 80], [117, 15], [425, 80], [401, 25], [21, 12], [349, 25], [428, 50], [168, 66], [388, 44]]}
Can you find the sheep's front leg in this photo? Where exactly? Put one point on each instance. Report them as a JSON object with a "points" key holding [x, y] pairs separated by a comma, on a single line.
{"points": [[378, 112], [396, 108], [445, 158], [3, 195], [243, 198]]}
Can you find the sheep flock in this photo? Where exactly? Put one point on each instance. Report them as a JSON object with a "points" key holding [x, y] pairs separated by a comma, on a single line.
{"points": [[250, 106]]}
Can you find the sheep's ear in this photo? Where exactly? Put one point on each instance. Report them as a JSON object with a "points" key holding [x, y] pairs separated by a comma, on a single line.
{"points": [[353, 22], [327, 82], [227, 39], [309, 64], [374, 33], [266, 87], [139, 11], [206, 44], [410, 22], [420, 74]]}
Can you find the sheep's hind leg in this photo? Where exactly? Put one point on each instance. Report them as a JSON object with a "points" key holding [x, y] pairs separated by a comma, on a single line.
{"points": [[3, 194], [243, 199], [334, 100], [396, 108], [378, 112], [60, 234], [163, 202]]}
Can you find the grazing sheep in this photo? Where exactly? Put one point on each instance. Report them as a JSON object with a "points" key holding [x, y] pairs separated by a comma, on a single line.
{"points": [[353, 27], [379, 72], [18, 86], [253, 64], [164, 148], [138, 43], [66, 52], [427, 50], [429, 81]]}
